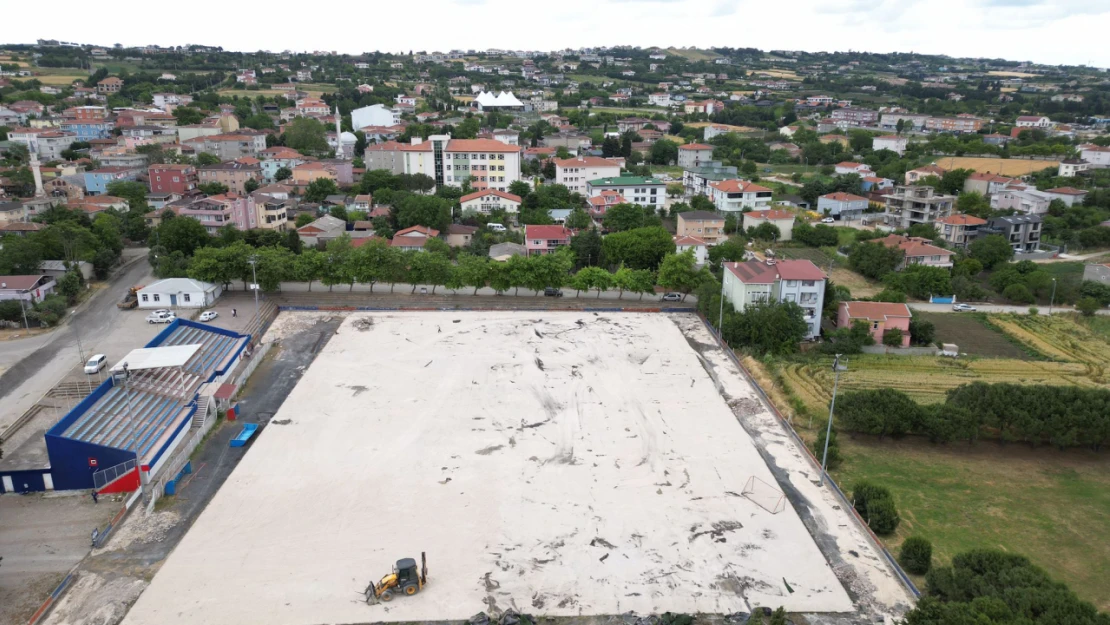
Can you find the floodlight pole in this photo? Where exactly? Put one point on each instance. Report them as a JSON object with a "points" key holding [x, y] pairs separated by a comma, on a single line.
{"points": [[837, 368], [253, 260], [130, 412]]}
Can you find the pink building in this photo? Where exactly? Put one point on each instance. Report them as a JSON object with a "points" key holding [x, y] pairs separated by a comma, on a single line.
{"points": [[880, 316], [217, 211], [545, 239]]}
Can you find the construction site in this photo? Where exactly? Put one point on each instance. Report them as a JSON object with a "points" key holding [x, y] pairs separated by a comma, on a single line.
{"points": [[565, 464]]}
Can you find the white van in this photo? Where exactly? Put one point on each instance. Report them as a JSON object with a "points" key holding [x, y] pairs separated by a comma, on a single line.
{"points": [[496, 227], [95, 364]]}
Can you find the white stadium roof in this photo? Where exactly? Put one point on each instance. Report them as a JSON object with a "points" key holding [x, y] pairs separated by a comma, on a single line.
{"points": [[157, 357]]}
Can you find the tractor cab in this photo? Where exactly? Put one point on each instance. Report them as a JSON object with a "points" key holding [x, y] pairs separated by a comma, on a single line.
{"points": [[406, 573]]}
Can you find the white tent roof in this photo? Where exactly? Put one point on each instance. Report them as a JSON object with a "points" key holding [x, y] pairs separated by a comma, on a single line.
{"points": [[157, 357], [486, 99]]}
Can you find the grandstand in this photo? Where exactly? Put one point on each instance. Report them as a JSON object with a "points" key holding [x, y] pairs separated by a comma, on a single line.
{"points": [[143, 410]]}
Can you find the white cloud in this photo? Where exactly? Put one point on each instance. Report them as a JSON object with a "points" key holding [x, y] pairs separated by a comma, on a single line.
{"points": [[1050, 31]]}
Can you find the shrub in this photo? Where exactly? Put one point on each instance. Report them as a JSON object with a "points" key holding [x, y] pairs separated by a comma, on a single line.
{"points": [[892, 337], [917, 555], [1034, 311], [1088, 306], [865, 491], [1018, 294], [922, 332], [779, 617], [882, 515]]}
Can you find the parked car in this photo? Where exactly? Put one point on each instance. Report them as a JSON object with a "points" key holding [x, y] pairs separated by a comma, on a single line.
{"points": [[96, 363], [552, 292], [208, 315], [827, 220], [963, 308], [160, 316], [496, 227], [672, 297]]}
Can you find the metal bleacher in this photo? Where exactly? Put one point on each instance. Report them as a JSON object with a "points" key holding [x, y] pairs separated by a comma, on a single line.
{"points": [[136, 417]]}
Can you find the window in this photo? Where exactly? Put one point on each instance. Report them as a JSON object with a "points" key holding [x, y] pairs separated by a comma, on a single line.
{"points": [[145, 297], [791, 283], [790, 297], [156, 297], [808, 282], [186, 296], [875, 325]]}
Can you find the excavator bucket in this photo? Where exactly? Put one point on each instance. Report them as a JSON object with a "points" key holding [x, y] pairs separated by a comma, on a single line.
{"points": [[370, 594], [423, 568]]}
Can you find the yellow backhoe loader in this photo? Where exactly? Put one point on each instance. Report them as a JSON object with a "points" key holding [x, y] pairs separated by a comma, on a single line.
{"points": [[404, 580]]}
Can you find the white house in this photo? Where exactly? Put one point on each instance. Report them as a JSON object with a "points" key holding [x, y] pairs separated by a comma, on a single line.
{"points": [[781, 219], [375, 115], [487, 201], [894, 143], [1097, 156], [1033, 121], [846, 206], [797, 281], [179, 293], [574, 173], [1071, 167], [694, 155], [737, 196], [700, 247], [660, 99], [848, 167]]}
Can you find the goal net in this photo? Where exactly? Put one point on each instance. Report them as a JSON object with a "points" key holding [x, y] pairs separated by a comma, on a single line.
{"points": [[764, 495]]}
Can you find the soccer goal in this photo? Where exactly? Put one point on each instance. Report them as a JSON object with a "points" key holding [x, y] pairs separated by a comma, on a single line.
{"points": [[764, 495]]}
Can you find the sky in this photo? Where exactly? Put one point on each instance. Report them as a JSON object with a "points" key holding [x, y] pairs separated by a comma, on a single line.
{"points": [[1042, 31]]}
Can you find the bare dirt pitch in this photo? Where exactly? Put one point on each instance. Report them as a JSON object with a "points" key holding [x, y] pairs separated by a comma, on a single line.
{"points": [[559, 463]]}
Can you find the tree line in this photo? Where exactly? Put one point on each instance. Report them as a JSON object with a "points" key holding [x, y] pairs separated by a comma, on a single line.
{"points": [[1062, 416]]}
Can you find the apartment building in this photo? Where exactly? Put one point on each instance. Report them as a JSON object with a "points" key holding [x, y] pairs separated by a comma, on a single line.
{"points": [[171, 178], [739, 196], [216, 211], [1025, 200], [487, 201], [798, 281], [909, 205], [636, 189], [694, 155], [48, 143], [894, 143], [845, 206], [278, 157], [234, 175], [1022, 231], [781, 219], [454, 161], [695, 181], [228, 147], [958, 125], [959, 230], [707, 226], [855, 116], [575, 172]]}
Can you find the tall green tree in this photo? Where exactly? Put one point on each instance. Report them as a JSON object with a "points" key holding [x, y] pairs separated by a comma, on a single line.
{"points": [[307, 136], [678, 273], [639, 248], [991, 250]]}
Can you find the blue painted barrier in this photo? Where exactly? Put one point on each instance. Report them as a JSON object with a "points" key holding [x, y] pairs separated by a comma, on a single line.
{"points": [[248, 431]]}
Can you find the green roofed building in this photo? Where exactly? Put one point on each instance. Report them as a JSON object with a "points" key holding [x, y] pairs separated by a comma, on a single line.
{"points": [[634, 189]]}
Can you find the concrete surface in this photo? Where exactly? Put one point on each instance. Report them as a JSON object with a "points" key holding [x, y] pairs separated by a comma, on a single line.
{"points": [[41, 538], [562, 463]]}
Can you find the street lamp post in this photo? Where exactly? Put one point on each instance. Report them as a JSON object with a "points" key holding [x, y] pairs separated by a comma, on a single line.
{"points": [[254, 286], [837, 368], [127, 398], [1053, 299], [721, 316]]}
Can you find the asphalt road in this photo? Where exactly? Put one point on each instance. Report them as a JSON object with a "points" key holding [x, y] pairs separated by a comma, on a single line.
{"points": [[999, 308]]}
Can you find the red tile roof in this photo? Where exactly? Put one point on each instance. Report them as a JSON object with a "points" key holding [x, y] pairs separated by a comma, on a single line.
{"points": [[914, 246], [479, 145], [1067, 191], [757, 272], [484, 192], [875, 311], [19, 283], [586, 161], [695, 146], [852, 165], [961, 220], [738, 186], [774, 214], [689, 241], [407, 241], [841, 196], [546, 232], [418, 231]]}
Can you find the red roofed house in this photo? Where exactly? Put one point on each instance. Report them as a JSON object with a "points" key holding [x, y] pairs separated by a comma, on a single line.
{"points": [[700, 247], [600, 203], [848, 167], [1067, 195], [913, 175], [880, 317], [781, 219], [959, 230], [27, 288], [545, 239], [413, 238], [736, 196], [919, 251], [693, 155], [795, 281], [575, 172], [489, 200]]}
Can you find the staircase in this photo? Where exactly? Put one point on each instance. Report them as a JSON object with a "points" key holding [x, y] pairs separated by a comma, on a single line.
{"points": [[201, 415]]}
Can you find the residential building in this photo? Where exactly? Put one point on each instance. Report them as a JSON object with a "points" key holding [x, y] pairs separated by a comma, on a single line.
{"points": [[957, 125], [374, 115], [638, 190], [855, 116], [97, 181], [179, 293], [1023, 232], [171, 178], [95, 204], [454, 161], [321, 230], [918, 251], [459, 235], [737, 196], [959, 230], [276, 158], [1069, 168], [111, 84], [388, 155], [781, 219], [696, 181], [234, 175], [880, 317], [228, 147], [602, 202], [545, 239], [894, 143], [841, 205], [660, 99], [909, 205], [305, 173], [575, 172], [1024, 200], [271, 212], [797, 281], [707, 226], [217, 211], [875, 184], [701, 249], [165, 100], [49, 144], [694, 155], [987, 184], [1068, 195], [30, 289], [88, 129], [487, 201], [1097, 156], [848, 167]]}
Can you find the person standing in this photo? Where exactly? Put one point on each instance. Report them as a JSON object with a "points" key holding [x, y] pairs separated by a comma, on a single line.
{"points": [[95, 496]]}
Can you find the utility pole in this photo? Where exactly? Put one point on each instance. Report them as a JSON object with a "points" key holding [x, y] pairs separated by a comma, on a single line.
{"points": [[1053, 300], [721, 317], [254, 286], [23, 309], [837, 368], [130, 412]]}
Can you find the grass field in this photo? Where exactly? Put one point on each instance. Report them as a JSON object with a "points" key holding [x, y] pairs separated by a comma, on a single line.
{"points": [[972, 335], [694, 54], [1048, 505], [857, 284], [1003, 166]]}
